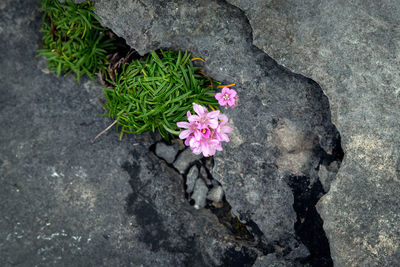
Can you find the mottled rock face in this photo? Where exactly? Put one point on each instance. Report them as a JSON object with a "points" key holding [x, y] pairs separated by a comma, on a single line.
{"points": [[281, 126], [352, 49], [69, 202], [168, 153], [165, 222]]}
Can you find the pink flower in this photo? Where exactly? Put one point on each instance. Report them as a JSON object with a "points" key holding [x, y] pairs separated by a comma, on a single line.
{"points": [[203, 117], [222, 129], [227, 97], [204, 131], [190, 126], [206, 146]]}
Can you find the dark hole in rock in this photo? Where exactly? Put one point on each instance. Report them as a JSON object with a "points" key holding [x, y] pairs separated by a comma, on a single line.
{"points": [[242, 258], [337, 152], [231, 222], [309, 224], [223, 212]]}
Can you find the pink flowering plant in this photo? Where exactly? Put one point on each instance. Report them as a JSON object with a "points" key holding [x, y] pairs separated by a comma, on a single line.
{"points": [[206, 130]]}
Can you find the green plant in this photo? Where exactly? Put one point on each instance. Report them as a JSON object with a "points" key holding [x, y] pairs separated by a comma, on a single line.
{"points": [[73, 39], [157, 92]]}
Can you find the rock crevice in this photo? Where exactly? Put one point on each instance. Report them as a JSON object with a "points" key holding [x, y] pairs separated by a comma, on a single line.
{"points": [[282, 119], [351, 49]]}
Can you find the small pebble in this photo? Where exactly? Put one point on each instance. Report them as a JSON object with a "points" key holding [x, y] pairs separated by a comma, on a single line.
{"points": [[217, 205], [199, 194], [216, 194], [191, 178], [166, 152], [326, 176], [179, 142], [215, 183], [203, 174], [185, 159]]}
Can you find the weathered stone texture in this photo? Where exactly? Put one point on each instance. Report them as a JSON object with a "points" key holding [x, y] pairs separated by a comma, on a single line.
{"points": [[280, 122], [68, 202], [352, 49]]}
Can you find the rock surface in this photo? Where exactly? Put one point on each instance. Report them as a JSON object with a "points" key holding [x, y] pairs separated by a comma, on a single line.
{"points": [[216, 194], [282, 123], [191, 178], [352, 49], [327, 174], [199, 194], [185, 159], [65, 200], [68, 202], [167, 152]]}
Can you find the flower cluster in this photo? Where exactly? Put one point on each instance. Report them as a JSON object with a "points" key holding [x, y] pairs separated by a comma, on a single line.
{"points": [[205, 130]]}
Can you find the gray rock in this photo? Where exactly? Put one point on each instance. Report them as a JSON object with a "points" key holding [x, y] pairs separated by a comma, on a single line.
{"points": [[351, 48], [166, 152], [327, 174], [216, 194], [281, 121], [215, 183], [185, 159], [204, 176], [199, 194], [191, 178], [209, 163], [273, 260], [66, 201], [179, 142]]}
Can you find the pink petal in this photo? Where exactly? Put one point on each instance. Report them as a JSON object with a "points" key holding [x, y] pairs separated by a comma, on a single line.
{"points": [[197, 135], [205, 149], [226, 129], [225, 90], [205, 132], [213, 123], [187, 141], [196, 150], [195, 146], [200, 110], [223, 118], [211, 152], [218, 96], [232, 93], [193, 118], [212, 114], [194, 143], [184, 134], [183, 124], [231, 102], [222, 102], [224, 138]]}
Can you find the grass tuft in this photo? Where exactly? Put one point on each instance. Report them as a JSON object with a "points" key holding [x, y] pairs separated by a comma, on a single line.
{"points": [[73, 39], [155, 93]]}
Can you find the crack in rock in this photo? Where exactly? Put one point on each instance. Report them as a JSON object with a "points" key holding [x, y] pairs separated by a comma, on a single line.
{"points": [[283, 119]]}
